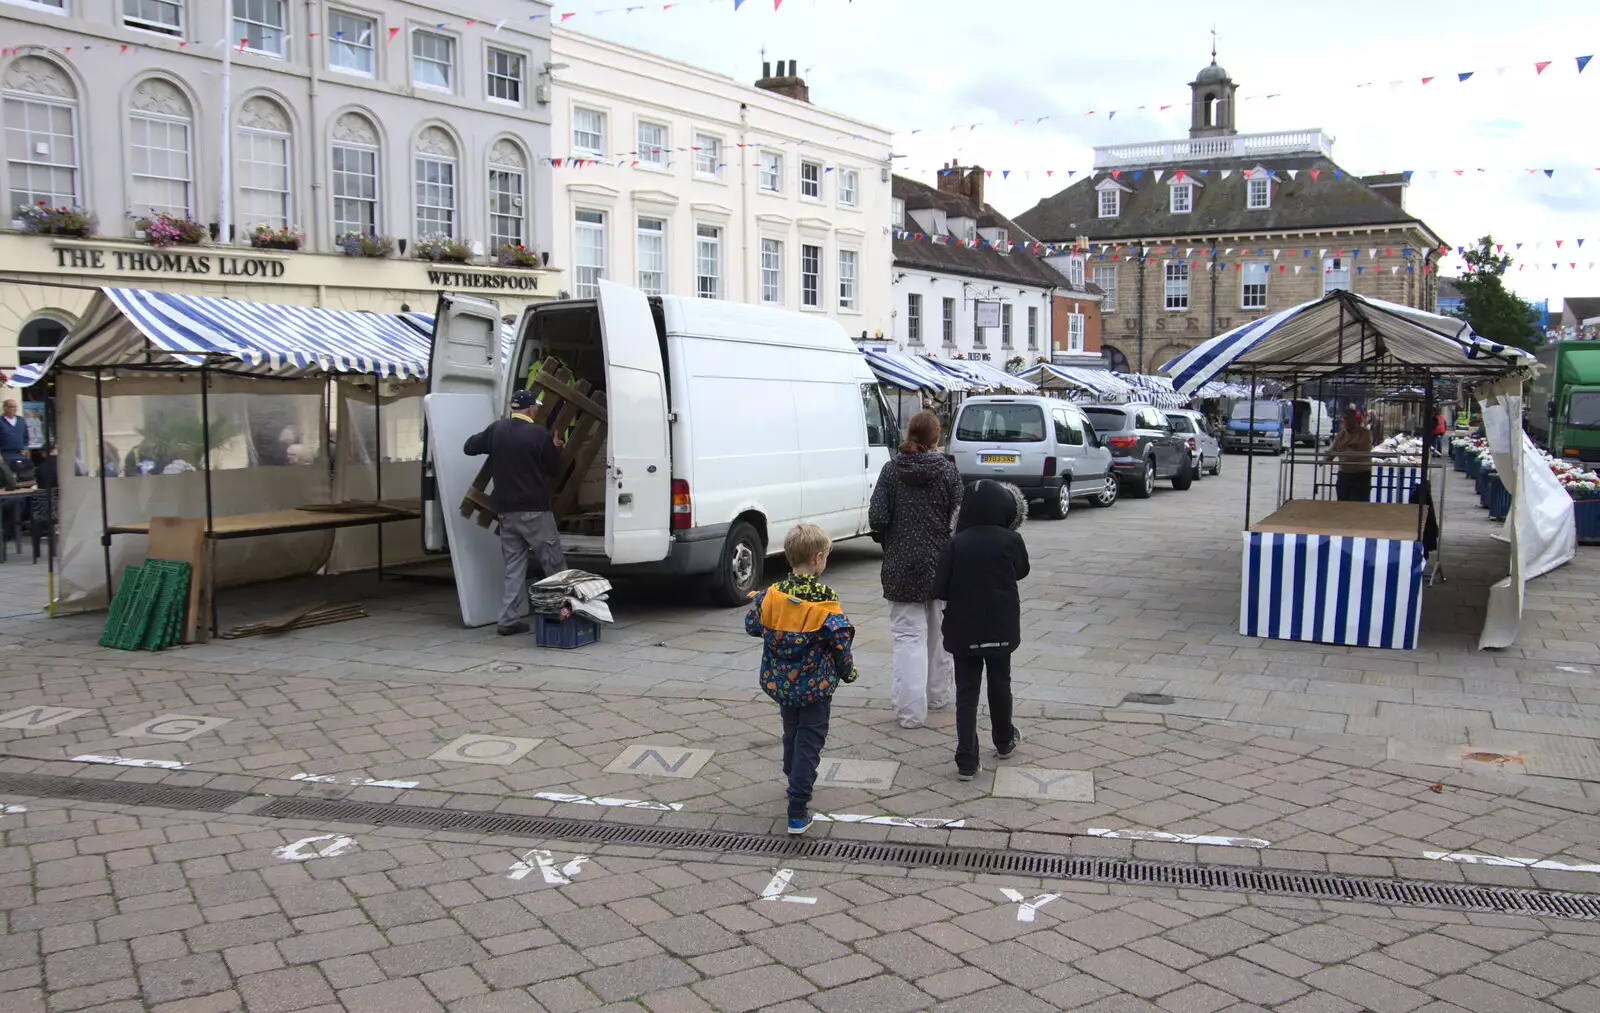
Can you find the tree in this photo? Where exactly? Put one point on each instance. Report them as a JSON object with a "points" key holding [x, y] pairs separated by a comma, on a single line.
{"points": [[1494, 311]]}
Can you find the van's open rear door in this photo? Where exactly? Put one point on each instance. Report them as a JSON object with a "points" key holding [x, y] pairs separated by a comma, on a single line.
{"points": [[464, 381], [638, 468]]}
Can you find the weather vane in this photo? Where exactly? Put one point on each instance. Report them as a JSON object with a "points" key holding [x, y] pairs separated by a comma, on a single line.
{"points": [[1213, 42]]}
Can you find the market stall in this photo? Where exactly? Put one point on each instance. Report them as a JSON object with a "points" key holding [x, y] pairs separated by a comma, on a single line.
{"points": [[1321, 569], [1079, 384], [177, 405]]}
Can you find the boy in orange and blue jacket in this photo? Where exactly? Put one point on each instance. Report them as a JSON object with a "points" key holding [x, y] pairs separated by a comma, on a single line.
{"points": [[806, 654]]}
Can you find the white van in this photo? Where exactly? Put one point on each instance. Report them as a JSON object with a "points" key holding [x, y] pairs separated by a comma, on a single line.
{"points": [[728, 424]]}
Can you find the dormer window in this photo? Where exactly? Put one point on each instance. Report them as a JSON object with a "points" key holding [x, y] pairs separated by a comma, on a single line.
{"points": [[1110, 203], [1000, 237], [1258, 195], [1182, 198], [897, 217]]}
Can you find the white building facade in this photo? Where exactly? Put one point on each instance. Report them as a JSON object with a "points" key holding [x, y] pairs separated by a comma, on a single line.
{"points": [[937, 313], [677, 180]]}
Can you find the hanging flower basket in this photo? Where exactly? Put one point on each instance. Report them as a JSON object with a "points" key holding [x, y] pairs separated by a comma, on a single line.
{"points": [[43, 220], [265, 237], [162, 229], [359, 244], [517, 256], [442, 249]]}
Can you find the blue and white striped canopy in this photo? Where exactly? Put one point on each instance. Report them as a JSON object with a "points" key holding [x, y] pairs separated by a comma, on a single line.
{"points": [[911, 372], [26, 376], [1099, 382], [1305, 340], [980, 376], [137, 326]]}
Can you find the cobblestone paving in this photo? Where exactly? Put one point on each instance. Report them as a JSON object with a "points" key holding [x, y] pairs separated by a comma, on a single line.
{"points": [[1330, 754]]}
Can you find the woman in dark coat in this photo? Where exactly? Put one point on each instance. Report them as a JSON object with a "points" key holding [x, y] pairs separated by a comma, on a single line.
{"points": [[977, 579], [913, 509]]}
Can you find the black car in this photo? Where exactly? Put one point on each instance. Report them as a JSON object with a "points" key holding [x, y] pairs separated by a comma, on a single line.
{"points": [[1144, 448]]}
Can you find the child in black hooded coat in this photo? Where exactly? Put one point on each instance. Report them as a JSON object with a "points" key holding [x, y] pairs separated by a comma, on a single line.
{"points": [[977, 577]]}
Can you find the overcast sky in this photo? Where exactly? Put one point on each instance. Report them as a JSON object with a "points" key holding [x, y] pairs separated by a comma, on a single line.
{"points": [[931, 64]]}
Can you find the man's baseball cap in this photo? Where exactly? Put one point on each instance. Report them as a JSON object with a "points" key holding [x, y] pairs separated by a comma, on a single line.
{"points": [[522, 399]]}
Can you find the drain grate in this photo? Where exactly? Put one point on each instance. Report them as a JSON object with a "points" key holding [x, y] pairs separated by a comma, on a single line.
{"points": [[1320, 886], [80, 789]]}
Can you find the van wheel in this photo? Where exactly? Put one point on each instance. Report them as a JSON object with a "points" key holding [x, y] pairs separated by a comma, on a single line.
{"points": [[1108, 495], [1056, 506], [1146, 483], [739, 570]]}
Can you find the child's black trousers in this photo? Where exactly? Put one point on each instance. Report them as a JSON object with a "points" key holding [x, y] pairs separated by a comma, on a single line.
{"points": [[969, 681]]}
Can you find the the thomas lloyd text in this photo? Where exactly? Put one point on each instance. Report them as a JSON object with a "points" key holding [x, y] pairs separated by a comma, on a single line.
{"points": [[170, 262]]}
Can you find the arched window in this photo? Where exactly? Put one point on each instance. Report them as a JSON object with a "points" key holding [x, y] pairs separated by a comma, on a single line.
{"points": [[1115, 360], [434, 174], [508, 173], [38, 338], [1210, 111], [160, 163], [261, 164], [353, 165], [41, 112]]}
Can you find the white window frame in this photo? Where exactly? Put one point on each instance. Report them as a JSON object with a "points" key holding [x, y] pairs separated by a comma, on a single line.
{"points": [[287, 194], [652, 154], [451, 77], [1115, 203], [848, 278], [1175, 277], [947, 322], [1075, 271], [1006, 335], [1033, 328], [14, 166], [282, 28], [1108, 300], [586, 277], [897, 213], [1075, 330], [772, 271], [708, 254], [771, 172], [491, 75], [1258, 199], [452, 225], [188, 178], [333, 189], [580, 134], [811, 276], [1182, 198], [58, 7], [1334, 269], [336, 42], [708, 156], [914, 317], [140, 23], [518, 206], [1254, 300], [815, 181], [849, 184], [650, 265]]}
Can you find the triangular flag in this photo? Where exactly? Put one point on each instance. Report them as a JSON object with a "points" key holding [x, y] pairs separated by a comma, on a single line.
{"points": [[1394, 270], [1226, 173], [1115, 173], [1559, 242], [1583, 61], [1178, 175], [1314, 174], [1281, 267], [776, 4], [1549, 172], [1463, 76], [1158, 173], [1293, 173], [1136, 174], [1297, 268], [1538, 68], [1005, 173], [392, 33], [1275, 254], [1426, 80]]}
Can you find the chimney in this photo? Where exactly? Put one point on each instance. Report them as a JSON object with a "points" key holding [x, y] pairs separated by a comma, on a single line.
{"points": [[950, 179], [973, 185], [788, 84]]}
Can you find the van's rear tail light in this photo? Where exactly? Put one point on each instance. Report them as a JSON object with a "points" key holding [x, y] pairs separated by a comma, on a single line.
{"points": [[1049, 467], [1123, 442], [680, 505]]}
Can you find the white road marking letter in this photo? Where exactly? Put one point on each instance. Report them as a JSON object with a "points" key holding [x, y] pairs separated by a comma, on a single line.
{"points": [[1028, 907], [311, 847], [780, 882], [545, 863]]}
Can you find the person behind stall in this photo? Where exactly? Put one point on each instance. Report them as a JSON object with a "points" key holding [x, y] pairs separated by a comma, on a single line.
{"points": [[1440, 427], [977, 579], [1351, 448], [805, 654], [522, 461]]}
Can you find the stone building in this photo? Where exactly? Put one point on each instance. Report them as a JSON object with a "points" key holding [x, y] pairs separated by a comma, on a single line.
{"points": [[1189, 238], [400, 119]]}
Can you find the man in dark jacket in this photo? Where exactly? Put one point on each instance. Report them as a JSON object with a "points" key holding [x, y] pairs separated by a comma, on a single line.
{"points": [[522, 460], [977, 579]]}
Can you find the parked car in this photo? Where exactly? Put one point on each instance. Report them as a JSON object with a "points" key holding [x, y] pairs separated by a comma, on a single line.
{"points": [[1205, 453], [1042, 445], [1277, 425], [1144, 448]]}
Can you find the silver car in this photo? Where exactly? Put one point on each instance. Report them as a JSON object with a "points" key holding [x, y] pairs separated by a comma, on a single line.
{"points": [[1205, 453], [1042, 445]]}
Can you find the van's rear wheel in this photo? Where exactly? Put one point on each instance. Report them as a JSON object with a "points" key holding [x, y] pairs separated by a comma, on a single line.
{"points": [[1058, 502], [739, 570]]}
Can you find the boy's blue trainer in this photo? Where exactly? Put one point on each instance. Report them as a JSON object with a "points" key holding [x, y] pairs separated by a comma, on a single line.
{"points": [[800, 824]]}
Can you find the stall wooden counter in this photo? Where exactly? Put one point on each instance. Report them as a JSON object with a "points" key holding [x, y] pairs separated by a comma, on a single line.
{"points": [[1334, 572]]}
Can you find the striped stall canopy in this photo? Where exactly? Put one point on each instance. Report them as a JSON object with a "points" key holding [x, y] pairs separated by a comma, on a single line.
{"points": [[1155, 389], [980, 376], [1099, 382], [25, 376], [911, 372], [136, 326], [1332, 589], [1393, 483], [1339, 331]]}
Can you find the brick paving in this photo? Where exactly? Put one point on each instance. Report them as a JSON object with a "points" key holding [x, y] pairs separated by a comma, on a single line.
{"points": [[1330, 754]]}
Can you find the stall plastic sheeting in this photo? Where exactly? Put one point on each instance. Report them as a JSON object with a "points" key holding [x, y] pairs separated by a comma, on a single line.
{"points": [[246, 475], [982, 377], [358, 446], [911, 372], [1539, 526]]}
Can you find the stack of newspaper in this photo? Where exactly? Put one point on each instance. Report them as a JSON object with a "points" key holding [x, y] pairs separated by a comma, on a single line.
{"points": [[572, 592]]}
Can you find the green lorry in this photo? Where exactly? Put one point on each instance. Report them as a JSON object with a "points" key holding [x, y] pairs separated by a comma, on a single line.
{"points": [[1563, 401]]}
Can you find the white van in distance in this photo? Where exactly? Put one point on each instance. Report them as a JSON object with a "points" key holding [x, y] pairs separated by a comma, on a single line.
{"points": [[727, 425]]}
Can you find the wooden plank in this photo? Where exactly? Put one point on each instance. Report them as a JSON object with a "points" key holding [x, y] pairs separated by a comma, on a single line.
{"points": [[183, 539], [1334, 517], [564, 389], [588, 442]]}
